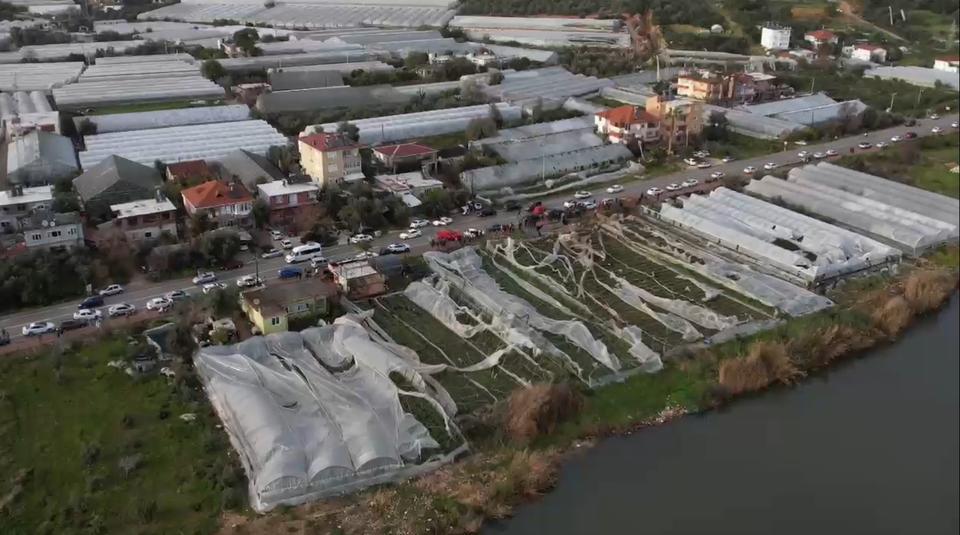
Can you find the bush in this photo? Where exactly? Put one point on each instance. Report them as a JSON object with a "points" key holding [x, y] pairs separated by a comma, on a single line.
{"points": [[926, 290], [766, 363], [538, 409]]}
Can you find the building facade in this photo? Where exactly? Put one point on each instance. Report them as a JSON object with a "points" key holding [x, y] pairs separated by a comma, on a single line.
{"points": [[775, 37], [679, 119], [145, 219], [626, 124], [869, 52], [357, 279], [48, 230], [19, 203], [820, 37], [947, 64], [330, 158], [270, 310], [227, 204], [287, 201]]}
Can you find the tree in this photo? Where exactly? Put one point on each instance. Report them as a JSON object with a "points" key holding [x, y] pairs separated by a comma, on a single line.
{"points": [[481, 128], [260, 213], [717, 127], [661, 87], [199, 224], [65, 202], [416, 59], [436, 203], [220, 247], [87, 127], [212, 70], [495, 115], [246, 40], [349, 130]]}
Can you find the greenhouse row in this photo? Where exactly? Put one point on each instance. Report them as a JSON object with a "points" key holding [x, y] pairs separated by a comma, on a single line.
{"points": [[38, 76], [181, 143], [514, 150], [548, 82], [156, 89], [142, 120], [114, 72], [590, 159]]}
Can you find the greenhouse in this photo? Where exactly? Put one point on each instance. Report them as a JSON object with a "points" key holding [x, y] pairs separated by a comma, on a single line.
{"points": [[119, 92], [576, 124], [587, 160], [548, 82], [143, 120], [514, 150], [320, 412], [38, 76], [792, 245], [113, 72]]}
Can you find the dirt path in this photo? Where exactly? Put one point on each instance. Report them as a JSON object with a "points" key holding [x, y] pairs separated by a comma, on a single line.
{"points": [[847, 10]]}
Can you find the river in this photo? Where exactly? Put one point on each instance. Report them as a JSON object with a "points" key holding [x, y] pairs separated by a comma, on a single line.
{"points": [[870, 447]]}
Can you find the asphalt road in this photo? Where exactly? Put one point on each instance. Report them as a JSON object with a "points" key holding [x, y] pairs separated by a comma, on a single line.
{"points": [[268, 269]]}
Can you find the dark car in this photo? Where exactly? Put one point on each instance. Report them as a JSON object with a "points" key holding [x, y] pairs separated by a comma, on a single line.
{"points": [[289, 272], [487, 212], [497, 227], [232, 264], [93, 301], [71, 324], [910, 135]]}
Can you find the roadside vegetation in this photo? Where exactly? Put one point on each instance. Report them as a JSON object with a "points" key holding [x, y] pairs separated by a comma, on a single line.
{"points": [[925, 163]]}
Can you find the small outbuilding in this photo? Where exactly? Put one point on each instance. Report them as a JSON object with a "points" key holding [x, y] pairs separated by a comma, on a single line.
{"points": [[41, 158]]}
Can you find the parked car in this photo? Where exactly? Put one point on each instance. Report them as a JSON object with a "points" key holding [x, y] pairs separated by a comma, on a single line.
{"points": [[588, 205], [365, 255], [689, 183], [87, 314], [177, 295], [286, 244], [272, 252], [934, 116], [419, 223], [121, 309], [411, 233], [954, 125], [704, 165], [832, 152], [472, 233], [487, 212], [749, 170], [881, 145], [654, 191], [728, 159], [702, 154], [819, 155], [289, 272], [395, 248], [673, 187], [896, 139], [359, 238], [93, 301], [318, 262], [205, 277], [249, 281], [276, 234], [936, 130], [214, 286], [803, 155], [616, 188], [442, 222], [71, 325], [717, 175], [582, 195], [769, 166], [38, 327], [692, 162], [113, 289], [159, 303], [864, 145], [910, 135]]}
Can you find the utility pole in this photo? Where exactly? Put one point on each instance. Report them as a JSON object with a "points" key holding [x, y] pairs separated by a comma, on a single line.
{"points": [[890, 10], [919, 96], [890, 108], [812, 82]]}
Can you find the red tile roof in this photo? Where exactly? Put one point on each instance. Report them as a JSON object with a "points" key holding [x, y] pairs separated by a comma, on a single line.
{"points": [[868, 46], [189, 169], [215, 193], [949, 59], [628, 115], [822, 35], [405, 150], [325, 142]]}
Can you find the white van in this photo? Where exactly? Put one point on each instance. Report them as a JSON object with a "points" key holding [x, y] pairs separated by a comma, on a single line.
{"points": [[304, 253]]}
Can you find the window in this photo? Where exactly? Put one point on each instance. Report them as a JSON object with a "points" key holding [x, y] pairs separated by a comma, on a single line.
{"points": [[275, 320], [332, 167], [36, 237], [55, 233], [148, 234], [71, 231]]}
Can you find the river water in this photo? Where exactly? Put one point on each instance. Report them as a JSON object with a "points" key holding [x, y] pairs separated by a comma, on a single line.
{"points": [[871, 447]]}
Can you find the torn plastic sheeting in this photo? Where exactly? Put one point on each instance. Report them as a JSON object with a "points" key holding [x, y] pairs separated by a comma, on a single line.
{"points": [[670, 321], [709, 292], [649, 359], [702, 316]]}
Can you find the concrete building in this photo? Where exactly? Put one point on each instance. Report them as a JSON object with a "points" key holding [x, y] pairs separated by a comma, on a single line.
{"points": [[22, 112], [404, 154], [189, 172], [408, 186], [227, 204], [869, 52], [330, 158], [947, 64], [40, 158], [775, 36], [49, 230], [288, 200], [820, 37], [19, 203], [144, 219], [271, 309], [357, 279], [716, 88], [681, 118], [626, 124], [249, 168]]}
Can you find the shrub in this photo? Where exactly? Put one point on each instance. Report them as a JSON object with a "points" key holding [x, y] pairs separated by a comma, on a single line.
{"points": [[893, 317], [926, 290], [536, 410], [765, 363]]}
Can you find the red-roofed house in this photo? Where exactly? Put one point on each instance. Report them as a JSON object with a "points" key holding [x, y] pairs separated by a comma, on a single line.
{"points": [[628, 123], [947, 63], [189, 172], [869, 52], [403, 154], [330, 158], [821, 37], [226, 204]]}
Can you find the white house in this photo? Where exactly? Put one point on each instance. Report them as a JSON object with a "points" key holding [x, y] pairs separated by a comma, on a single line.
{"points": [[947, 64], [775, 37], [628, 123], [820, 37], [48, 230], [21, 202], [869, 52]]}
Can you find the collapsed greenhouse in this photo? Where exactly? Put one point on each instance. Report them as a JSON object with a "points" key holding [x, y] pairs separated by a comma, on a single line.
{"points": [[791, 245], [911, 219]]}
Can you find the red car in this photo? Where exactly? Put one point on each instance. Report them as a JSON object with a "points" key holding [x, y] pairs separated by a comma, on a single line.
{"points": [[910, 135]]}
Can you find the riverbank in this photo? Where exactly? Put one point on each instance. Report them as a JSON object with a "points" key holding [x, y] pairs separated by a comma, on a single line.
{"points": [[508, 469]]}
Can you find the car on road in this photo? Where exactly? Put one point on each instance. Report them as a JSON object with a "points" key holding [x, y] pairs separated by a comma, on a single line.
{"points": [[727, 159], [442, 222], [582, 195], [800, 142], [588, 205], [749, 170], [570, 203], [488, 211], [71, 324], [214, 286], [159, 303], [177, 295], [272, 252], [411, 233], [896, 139], [616, 188], [205, 277], [954, 125], [419, 223], [864, 145], [472, 233], [38, 327], [717, 175], [318, 261], [289, 272], [395, 248], [704, 165], [113, 289], [934, 116], [286, 243], [121, 309], [803, 155], [819, 155], [881, 145], [692, 162], [910, 135], [249, 281], [88, 314], [360, 238], [365, 255], [936, 130], [276, 234], [689, 183], [832, 152], [93, 301], [673, 187], [769, 166], [654, 191]]}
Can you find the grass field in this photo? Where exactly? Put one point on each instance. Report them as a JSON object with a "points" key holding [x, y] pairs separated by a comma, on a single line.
{"points": [[925, 164], [86, 448]]}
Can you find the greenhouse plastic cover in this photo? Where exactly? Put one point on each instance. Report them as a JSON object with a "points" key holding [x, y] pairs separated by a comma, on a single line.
{"points": [[145, 120], [38, 76], [547, 82], [576, 124], [155, 89], [754, 228], [512, 174], [514, 150], [315, 413]]}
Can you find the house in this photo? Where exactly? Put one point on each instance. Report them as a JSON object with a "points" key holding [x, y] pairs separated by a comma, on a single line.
{"points": [[116, 180], [820, 37], [330, 158], [49, 230], [357, 279], [404, 155], [41, 158], [287, 200], [774, 36], [680, 117], [189, 172], [144, 219], [22, 112], [271, 308], [869, 52], [249, 93], [625, 124], [716, 88], [225, 203], [410, 187], [19, 203], [249, 168], [947, 63]]}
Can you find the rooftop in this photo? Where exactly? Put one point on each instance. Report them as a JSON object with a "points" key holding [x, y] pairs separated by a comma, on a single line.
{"points": [[43, 219], [405, 150], [216, 193], [821, 35], [142, 207], [26, 195], [353, 269], [325, 142], [189, 169], [277, 296], [404, 182], [628, 115], [867, 46], [283, 187]]}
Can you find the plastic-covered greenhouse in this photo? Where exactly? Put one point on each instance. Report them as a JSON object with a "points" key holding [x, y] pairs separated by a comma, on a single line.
{"points": [[117, 92], [515, 150], [516, 173], [318, 413], [548, 82], [38, 76], [143, 120]]}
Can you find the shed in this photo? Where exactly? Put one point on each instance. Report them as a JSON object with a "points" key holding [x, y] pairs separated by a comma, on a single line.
{"points": [[249, 168], [40, 158], [117, 180]]}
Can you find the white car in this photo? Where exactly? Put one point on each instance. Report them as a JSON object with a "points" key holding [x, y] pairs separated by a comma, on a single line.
{"points": [[749, 170], [177, 295], [832, 152], [286, 244], [704, 165], [702, 154], [934, 116], [881, 145], [692, 162], [419, 223], [569, 203], [358, 238], [272, 252], [38, 328], [121, 309], [276, 234], [205, 278], [113, 289], [689, 183], [896, 139], [819, 155], [411, 233], [954, 125], [654, 191], [864, 145], [159, 303], [87, 314], [936, 130], [582, 195], [800, 142], [473, 233], [803, 155], [728, 159], [588, 205], [673, 187], [616, 188], [318, 261], [214, 286], [249, 281], [365, 255], [717, 175], [443, 221], [769, 166], [398, 248]]}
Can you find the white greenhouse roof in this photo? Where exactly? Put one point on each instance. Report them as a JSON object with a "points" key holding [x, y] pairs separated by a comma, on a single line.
{"points": [[181, 143], [38, 76], [514, 150], [344, 68], [146, 58], [283, 61], [516, 173], [127, 71], [113, 92], [534, 23], [123, 122], [548, 82], [541, 129], [23, 103], [922, 76], [794, 245]]}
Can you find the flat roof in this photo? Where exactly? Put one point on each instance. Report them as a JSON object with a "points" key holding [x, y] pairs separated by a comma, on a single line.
{"points": [[142, 207], [282, 187], [31, 194]]}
